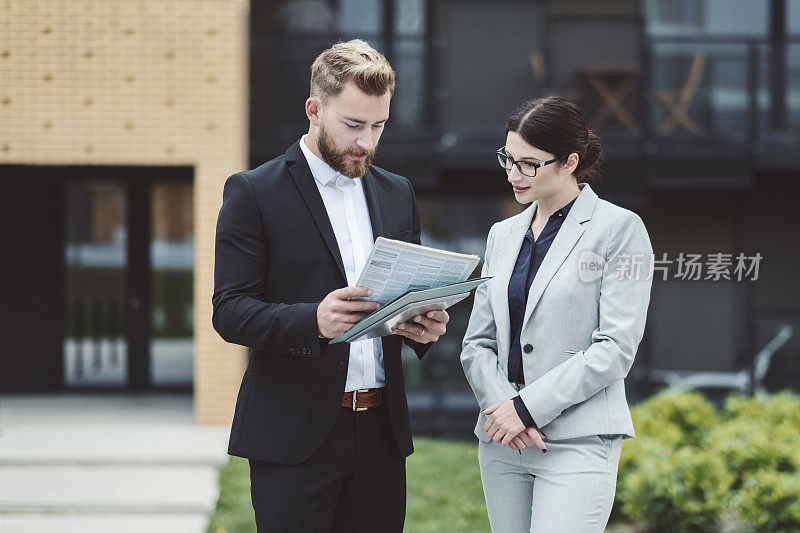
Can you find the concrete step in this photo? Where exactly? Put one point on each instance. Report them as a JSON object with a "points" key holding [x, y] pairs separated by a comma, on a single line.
{"points": [[106, 490], [93, 463], [114, 445], [119, 523]]}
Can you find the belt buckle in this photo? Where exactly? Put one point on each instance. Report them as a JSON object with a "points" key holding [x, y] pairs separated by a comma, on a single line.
{"points": [[355, 396]]}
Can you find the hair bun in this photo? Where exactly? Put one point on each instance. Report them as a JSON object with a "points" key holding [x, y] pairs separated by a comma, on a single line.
{"points": [[587, 168], [593, 149]]}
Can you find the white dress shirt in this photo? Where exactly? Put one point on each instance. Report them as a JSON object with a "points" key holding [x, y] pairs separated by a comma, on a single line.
{"points": [[346, 205]]}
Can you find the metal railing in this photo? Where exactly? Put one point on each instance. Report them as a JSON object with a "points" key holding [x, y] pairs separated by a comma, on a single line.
{"points": [[748, 380], [684, 94]]}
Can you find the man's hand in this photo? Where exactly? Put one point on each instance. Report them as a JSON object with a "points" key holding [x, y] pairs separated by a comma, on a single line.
{"points": [[503, 424], [337, 313], [529, 437], [424, 329]]}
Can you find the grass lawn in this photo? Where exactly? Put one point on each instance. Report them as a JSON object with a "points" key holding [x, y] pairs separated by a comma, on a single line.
{"points": [[444, 492]]}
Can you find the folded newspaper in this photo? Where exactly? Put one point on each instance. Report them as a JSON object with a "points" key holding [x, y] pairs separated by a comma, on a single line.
{"points": [[408, 280]]}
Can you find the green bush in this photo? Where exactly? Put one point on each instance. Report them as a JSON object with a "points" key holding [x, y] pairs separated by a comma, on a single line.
{"points": [[770, 501], [689, 412], [749, 447], [685, 491], [636, 452], [777, 409], [691, 464]]}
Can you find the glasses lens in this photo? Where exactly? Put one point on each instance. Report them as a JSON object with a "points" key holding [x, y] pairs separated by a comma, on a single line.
{"points": [[505, 162], [527, 170]]}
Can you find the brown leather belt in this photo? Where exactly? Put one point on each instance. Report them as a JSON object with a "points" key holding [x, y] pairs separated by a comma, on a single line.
{"points": [[362, 399]]}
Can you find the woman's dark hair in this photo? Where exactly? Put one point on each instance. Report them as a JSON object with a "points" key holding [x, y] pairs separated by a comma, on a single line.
{"points": [[555, 125]]}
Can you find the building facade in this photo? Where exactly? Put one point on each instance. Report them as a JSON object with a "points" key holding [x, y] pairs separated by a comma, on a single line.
{"points": [[119, 122], [123, 119]]}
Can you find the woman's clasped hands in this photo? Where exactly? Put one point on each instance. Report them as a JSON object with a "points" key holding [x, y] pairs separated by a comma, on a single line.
{"points": [[504, 426]]}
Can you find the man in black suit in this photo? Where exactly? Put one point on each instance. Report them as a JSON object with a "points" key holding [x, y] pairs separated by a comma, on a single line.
{"points": [[325, 427]]}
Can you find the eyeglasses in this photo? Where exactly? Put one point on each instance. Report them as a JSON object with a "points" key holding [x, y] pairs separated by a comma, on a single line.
{"points": [[526, 168]]}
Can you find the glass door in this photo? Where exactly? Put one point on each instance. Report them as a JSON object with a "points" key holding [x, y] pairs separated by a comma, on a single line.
{"points": [[95, 348], [129, 261], [172, 287]]}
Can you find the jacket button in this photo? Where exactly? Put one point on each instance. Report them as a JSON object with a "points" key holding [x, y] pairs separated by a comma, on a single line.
{"points": [[342, 366], [528, 348]]}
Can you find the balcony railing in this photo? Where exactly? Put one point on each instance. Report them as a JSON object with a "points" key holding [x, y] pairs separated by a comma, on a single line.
{"points": [[722, 100], [730, 89]]}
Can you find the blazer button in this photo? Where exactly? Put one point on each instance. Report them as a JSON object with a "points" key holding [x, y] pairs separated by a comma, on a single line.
{"points": [[342, 366], [528, 348]]}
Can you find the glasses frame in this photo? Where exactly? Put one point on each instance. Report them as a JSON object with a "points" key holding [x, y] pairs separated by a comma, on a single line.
{"points": [[536, 166]]}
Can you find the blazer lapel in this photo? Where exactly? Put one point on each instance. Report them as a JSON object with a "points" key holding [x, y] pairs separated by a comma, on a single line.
{"points": [[568, 235], [301, 174], [371, 193], [508, 247]]}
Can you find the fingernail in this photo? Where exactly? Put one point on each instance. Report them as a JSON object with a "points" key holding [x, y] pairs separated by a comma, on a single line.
{"points": [[369, 292], [401, 326], [430, 315], [417, 319]]}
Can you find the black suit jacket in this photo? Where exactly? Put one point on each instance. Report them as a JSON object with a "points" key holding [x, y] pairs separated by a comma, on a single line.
{"points": [[276, 259]]}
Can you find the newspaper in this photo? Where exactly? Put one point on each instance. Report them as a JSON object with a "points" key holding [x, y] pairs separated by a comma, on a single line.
{"points": [[395, 267]]}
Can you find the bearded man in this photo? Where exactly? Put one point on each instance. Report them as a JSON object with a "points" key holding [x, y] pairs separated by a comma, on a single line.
{"points": [[325, 427]]}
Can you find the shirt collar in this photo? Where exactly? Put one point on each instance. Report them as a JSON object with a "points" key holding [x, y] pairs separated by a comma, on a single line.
{"points": [[564, 211], [321, 170]]}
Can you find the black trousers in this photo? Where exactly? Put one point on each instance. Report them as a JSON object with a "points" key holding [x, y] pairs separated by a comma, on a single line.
{"points": [[355, 482]]}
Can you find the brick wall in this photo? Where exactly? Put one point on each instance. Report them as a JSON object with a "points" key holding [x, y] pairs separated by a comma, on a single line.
{"points": [[137, 82]]}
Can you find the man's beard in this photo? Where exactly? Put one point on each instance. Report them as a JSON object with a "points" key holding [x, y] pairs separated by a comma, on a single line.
{"points": [[339, 160]]}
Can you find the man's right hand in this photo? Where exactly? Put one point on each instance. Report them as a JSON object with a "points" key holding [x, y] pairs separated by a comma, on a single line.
{"points": [[337, 313]]}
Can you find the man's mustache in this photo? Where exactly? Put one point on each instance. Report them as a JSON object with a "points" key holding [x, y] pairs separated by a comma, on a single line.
{"points": [[359, 153]]}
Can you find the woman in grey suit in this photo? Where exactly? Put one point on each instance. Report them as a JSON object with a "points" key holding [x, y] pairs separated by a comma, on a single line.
{"points": [[554, 332]]}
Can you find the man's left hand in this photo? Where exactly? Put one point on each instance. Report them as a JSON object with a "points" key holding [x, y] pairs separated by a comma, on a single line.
{"points": [[504, 423], [424, 328]]}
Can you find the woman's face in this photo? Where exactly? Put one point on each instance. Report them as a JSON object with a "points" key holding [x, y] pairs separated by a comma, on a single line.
{"points": [[549, 179]]}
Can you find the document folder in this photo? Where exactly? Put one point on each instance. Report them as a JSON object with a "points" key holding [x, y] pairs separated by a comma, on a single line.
{"points": [[403, 308]]}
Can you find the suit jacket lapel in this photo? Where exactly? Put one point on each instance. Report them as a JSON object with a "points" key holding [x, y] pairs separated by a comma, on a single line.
{"points": [[508, 247], [371, 193], [376, 219], [301, 174], [565, 240]]}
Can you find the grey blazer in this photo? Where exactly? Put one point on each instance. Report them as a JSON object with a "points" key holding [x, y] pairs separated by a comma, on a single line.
{"points": [[584, 326]]}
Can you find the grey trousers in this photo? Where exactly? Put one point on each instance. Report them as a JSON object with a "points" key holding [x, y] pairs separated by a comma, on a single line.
{"points": [[569, 489]]}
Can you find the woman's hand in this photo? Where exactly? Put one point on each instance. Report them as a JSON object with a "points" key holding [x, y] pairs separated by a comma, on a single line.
{"points": [[503, 424], [529, 437]]}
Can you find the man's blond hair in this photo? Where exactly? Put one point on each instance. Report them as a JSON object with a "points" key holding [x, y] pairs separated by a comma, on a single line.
{"points": [[354, 61]]}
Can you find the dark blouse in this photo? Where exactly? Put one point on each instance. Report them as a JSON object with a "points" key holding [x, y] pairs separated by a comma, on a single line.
{"points": [[530, 258]]}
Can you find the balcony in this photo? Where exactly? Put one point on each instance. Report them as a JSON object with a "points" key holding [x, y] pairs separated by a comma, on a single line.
{"points": [[674, 113]]}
